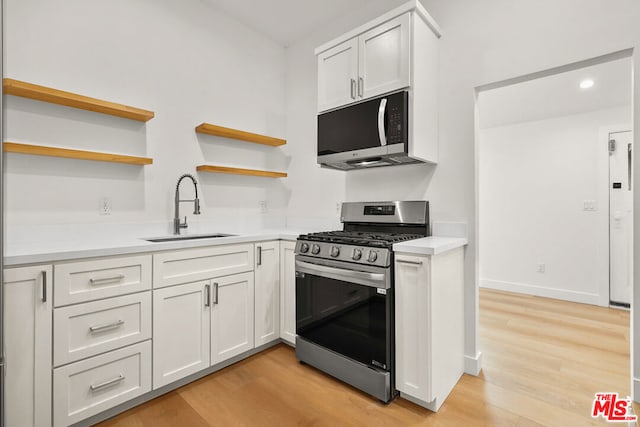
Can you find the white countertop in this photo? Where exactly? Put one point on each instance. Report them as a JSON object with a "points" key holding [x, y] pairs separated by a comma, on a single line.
{"points": [[66, 242], [433, 245], [64, 248]]}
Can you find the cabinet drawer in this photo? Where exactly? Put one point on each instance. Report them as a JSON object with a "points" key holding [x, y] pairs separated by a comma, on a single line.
{"points": [[91, 328], [91, 386], [83, 281], [191, 265]]}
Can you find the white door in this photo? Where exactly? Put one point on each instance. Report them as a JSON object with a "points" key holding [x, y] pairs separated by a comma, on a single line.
{"points": [[27, 339], [413, 327], [181, 334], [231, 316], [384, 57], [287, 292], [620, 216], [267, 292], [338, 75]]}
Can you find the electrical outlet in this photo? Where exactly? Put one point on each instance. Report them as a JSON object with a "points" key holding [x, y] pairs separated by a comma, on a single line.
{"points": [[541, 267], [337, 207], [589, 205], [104, 208], [262, 204]]}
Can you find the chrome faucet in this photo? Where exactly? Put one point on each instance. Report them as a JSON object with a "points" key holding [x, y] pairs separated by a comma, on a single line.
{"points": [[177, 224]]}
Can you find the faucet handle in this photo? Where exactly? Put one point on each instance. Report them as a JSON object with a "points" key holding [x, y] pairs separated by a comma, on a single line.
{"points": [[184, 224]]}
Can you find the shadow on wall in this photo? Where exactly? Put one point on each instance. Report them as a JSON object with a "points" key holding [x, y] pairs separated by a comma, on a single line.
{"points": [[242, 192], [42, 185], [409, 182], [41, 123]]}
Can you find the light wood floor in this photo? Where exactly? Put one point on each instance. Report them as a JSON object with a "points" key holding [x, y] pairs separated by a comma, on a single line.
{"points": [[543, 362]]}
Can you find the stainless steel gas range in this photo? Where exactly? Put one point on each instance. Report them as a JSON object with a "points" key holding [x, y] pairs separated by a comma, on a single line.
{"points": [[345, 293]]}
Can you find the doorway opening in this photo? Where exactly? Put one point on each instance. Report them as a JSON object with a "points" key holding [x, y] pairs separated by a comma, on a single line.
{"points": [[555, 218]]}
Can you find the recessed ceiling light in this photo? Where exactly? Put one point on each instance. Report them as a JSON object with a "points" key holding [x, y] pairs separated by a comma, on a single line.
{"points": [[586, 84]]}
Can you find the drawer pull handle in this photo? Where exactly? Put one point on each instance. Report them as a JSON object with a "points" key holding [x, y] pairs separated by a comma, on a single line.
{"points": [[106, 279], [100, 328], [403, 261], [215, 293], [108, 383]]}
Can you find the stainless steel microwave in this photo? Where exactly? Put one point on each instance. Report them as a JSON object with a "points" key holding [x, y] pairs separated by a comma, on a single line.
{"points": [[368, 134]]}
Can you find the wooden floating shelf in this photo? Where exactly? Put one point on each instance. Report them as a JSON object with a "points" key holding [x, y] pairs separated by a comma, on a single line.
{"points": [[40, 150], [210, 129], [238, 171], [55, 96]]}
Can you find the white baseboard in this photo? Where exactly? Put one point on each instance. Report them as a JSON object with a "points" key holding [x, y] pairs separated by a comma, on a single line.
{"points": [[473, 365], [563, 294]]}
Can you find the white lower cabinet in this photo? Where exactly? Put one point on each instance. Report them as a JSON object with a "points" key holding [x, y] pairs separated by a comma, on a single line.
{"points": [[85, 330], [232, 315], [287, 292], [27, 339], [429, 325], [267, 292], [93, 385], [181, 331]]}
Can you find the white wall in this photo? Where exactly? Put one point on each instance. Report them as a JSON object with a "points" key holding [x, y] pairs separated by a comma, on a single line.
{"points": [[183, 60], [533, 180], [493, 40]]}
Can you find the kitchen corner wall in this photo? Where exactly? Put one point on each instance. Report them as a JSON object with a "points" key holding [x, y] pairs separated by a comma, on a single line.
{"points": [[181, 59]]}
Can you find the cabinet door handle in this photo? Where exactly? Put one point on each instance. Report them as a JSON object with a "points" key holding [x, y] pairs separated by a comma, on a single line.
{"points": [[353, 89], [100, 328], [403, 261], [259, 262], [108, 383], [207, 295], [360, 87], [106, 279], [44, 286], [215, 293]]}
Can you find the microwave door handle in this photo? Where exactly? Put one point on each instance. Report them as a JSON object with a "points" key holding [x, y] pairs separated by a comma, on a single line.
{"points": [[381, 132]]}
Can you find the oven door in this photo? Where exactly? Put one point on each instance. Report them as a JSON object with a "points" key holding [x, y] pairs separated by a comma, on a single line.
{"points": [[346, 308]]}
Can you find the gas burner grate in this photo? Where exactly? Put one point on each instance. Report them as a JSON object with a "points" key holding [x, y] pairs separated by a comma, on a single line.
{"points": [[375, 239]]}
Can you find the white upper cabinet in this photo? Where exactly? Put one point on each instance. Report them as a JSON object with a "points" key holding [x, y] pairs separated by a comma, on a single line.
{"points": [[373, 63], [396, 51], [338, 75], [384, 58]]}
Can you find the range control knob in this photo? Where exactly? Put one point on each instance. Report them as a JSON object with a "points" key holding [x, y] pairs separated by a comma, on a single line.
{"points": [[357, 254], [335, 251], [304, 247], [373, 256], [315, 249]]}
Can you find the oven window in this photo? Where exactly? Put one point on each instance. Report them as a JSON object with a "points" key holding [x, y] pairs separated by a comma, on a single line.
{"points": [[350, 319]]}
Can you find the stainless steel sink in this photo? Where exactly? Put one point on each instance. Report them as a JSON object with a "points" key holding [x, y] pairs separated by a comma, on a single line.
{"points": [[186, 237]]}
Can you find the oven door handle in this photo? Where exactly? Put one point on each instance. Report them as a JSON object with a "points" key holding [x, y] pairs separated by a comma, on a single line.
{"points": [[339, 273]]}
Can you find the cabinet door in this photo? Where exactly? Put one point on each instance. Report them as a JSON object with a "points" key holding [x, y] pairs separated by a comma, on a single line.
{"points": [[231, 316], [384, 57], [413, 327], [181, 331], [287, 292], [338, 75], [267, 292], [27, 338]]}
